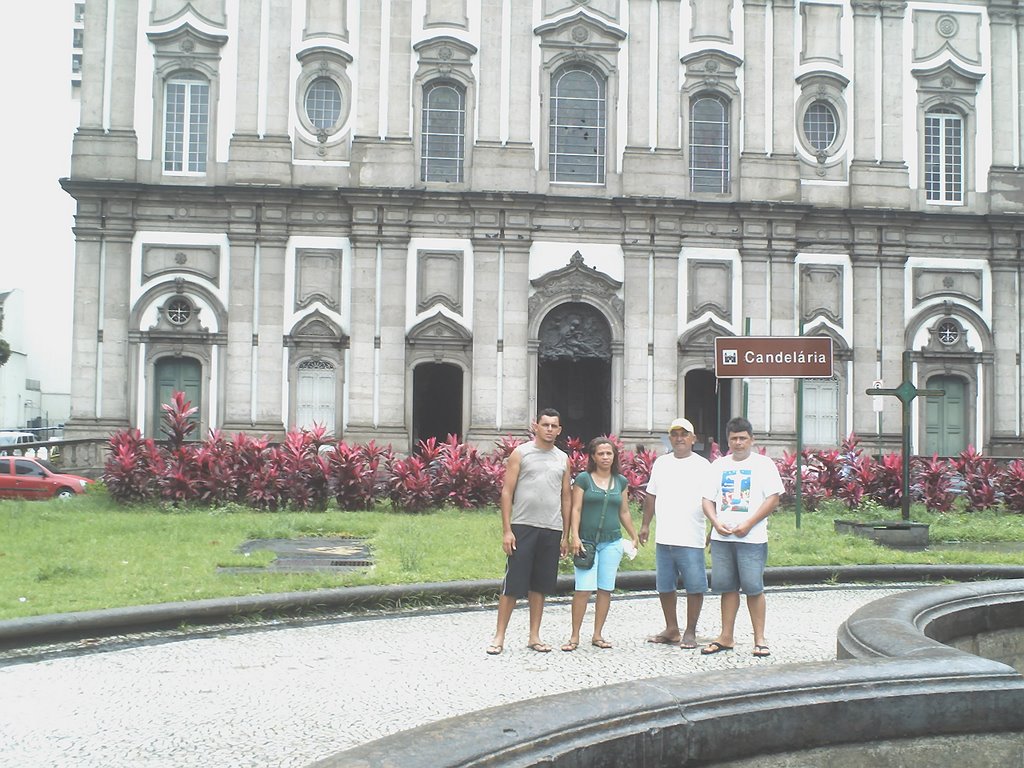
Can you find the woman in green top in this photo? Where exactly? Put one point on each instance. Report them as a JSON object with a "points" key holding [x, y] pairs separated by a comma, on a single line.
{"points": [[600, 504]]}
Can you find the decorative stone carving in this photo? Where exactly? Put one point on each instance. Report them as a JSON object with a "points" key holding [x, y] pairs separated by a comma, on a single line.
{"points": [[822, 27], [440, 332], [821, 292], [318, 278], [938, 31], [711, 20], [317, 329], [965, 285], [200, 260], [947, 336], [326, 18], [573, 282], [446, 13], [178, 314], [209, 11], [574, 332], [710, 289], [439, 280]]}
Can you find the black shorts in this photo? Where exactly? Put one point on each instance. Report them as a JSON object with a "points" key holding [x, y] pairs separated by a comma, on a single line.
{"points": [[533, 565]]}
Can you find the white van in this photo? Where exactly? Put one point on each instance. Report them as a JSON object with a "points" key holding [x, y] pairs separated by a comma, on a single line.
{"points": [[10, 439]]}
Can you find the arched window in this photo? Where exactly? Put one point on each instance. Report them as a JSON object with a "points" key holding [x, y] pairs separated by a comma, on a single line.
{"points": [[943, 156], [577, 126], [443, 140], [709, 144], [186, 123]]}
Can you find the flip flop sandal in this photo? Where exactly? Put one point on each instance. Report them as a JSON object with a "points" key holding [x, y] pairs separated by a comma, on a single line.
{"points": [[570, 646], [714, 647]]}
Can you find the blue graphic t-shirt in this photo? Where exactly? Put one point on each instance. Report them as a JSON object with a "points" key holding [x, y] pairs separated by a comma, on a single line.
{"points": [[738, 489]]}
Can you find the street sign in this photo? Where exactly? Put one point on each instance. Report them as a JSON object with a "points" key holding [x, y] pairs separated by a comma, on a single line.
{"points": [[765, 357]]}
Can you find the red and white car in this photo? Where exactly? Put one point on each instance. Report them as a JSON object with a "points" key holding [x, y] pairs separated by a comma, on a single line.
{"points": [[25, 478]]}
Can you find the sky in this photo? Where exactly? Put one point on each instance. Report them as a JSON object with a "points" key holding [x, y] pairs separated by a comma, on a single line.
{"points": [[36, 215]]}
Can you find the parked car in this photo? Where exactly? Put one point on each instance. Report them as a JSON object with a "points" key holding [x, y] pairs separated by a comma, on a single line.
{"points": [[25, 478]]}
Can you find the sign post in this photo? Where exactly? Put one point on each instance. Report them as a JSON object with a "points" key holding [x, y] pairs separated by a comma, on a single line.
{"points": [[906, 392]]}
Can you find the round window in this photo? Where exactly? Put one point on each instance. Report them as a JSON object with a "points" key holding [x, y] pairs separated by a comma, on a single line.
{"points": [[178, 311], [820, 125], [323, 103], [948, 332]]}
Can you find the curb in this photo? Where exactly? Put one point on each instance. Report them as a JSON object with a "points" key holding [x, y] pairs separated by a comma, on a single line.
{"points": [[39, 630]]}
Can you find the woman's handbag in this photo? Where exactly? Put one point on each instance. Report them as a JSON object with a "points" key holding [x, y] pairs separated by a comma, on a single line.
{"points": [[584, 560]]}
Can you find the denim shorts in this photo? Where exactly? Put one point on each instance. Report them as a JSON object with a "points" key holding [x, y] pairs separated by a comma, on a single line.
{"points": [[606, 565], [738, 566], [672, 563]]}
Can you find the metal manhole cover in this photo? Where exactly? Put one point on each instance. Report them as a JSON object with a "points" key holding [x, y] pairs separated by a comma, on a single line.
{"points": [[311, 553]]}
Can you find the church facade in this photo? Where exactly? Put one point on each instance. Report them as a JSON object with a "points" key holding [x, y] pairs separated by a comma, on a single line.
{"points": [[405, 218]]}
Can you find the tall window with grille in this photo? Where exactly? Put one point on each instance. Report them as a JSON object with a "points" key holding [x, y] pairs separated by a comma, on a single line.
{"points": [[709, 144], [443, 132], [943, 156], [577, 124], [186, 124]]}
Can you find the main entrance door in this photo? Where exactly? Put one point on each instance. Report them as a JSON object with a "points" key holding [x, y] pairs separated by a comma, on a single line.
{"points": [[946, 417], [574, 369], [436, 401], [317, 383], [177, 374]]}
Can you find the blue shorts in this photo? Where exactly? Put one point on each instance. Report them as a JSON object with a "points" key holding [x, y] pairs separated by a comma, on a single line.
{"points": [[736, 566], [606, 565], [672, 563]]}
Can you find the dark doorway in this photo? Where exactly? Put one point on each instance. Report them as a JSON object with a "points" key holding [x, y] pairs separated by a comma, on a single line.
{"points": [[574, 369], [436, 401], [709, 406]]}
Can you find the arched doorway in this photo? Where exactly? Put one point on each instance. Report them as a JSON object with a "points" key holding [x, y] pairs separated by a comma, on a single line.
{"points": [[574, 369], [945, 431], [436, 401], [178, 374], [317, 384], [709, 406]]}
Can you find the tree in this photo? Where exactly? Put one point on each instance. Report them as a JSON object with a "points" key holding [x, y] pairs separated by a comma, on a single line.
{"points": [[5, 351]]}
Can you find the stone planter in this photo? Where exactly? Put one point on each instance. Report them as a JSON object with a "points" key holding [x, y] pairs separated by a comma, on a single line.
{"points": [[889, 533]]}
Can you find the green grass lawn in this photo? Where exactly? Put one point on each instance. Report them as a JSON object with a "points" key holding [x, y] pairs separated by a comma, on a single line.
{"points": [[89, 553]]}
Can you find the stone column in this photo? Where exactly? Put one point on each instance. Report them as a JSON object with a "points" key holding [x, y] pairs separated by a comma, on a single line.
{"points": [[872, 183], [241, 340], [114, 314], [492, 36], [247, 83], [270, 331], [266, 158], [865, 101], [635, 350], [786, 174], [486, 374], [638, 99], [391, 163], [517, 162], [1003, 392], [516, 388], [85, 325], [1006, 186], [753, 168], [105, 145], [868, 316], [367, 114]]}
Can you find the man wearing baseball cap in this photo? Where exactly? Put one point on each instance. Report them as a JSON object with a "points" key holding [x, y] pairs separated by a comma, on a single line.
{"points": [[674, 495]]}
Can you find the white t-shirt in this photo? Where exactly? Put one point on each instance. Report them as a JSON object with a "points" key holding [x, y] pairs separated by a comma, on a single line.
{"points": [[738, 488], [677, 486]]}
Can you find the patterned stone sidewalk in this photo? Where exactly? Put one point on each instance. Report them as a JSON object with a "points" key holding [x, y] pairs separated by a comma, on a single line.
{"points": [[288, 695]]}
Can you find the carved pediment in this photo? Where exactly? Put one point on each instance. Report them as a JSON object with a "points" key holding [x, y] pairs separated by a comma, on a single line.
{"points": [[574, 281], [439, 330], [580, 29], [701, 337], [574, 332], [317, 327]]}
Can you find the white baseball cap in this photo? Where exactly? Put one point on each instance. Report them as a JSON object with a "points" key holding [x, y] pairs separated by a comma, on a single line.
{"points": [[682, 424]]}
